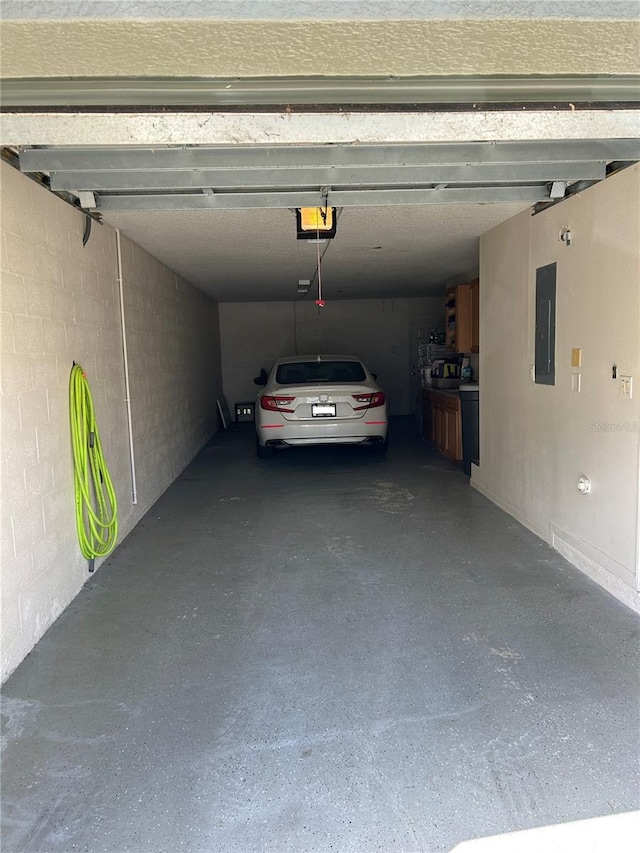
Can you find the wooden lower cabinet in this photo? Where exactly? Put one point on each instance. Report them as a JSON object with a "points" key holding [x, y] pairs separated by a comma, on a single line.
{"points": [[442, 423], [451, 445]]}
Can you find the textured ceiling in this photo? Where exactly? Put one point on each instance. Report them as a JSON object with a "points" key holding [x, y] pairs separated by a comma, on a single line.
{"points": [[251, 255]]}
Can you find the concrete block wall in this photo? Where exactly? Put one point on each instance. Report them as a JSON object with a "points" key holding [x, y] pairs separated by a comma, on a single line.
{"points": [[173, 343], [254, 335], [59, 302]]}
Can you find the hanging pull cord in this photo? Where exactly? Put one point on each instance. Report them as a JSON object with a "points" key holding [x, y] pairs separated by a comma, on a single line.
{"points": [[96, 504], [319, 300]]}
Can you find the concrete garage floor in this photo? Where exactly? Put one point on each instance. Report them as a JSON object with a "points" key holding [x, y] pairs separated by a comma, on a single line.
{"points": [[327, 651]]}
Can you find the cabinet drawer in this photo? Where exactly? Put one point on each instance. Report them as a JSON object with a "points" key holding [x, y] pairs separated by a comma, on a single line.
{"points": [[445, 401]]}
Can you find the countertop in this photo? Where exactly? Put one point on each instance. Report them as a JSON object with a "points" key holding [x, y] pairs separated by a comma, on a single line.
{"points": [[449, 392]]}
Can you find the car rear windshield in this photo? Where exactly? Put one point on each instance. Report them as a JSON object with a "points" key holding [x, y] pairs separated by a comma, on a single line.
{"points": [[303, 372]]}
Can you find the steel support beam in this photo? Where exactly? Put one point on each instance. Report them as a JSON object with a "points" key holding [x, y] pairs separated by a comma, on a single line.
{"points": [[150, 159], [342, 198], [162, 92], [337, 176]]}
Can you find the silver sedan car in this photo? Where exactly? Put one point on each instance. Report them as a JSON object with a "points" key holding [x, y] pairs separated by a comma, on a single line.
{"points": [[319, 399]]}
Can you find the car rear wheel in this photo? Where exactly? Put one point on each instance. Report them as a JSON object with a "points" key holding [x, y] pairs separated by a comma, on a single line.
{"points": [[264, 452], [380, 447]]}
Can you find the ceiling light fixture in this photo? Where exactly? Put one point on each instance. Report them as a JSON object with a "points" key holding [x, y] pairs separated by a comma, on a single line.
{"points": [[565, 235]]}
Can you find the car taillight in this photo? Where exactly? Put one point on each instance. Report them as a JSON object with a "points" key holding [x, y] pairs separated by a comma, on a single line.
{"points": [[276, 404], [370, 401]]}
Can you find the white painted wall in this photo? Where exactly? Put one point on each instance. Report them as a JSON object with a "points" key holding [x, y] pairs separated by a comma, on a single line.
{"points": [[254, 335], [59, 302], [536, 440]]}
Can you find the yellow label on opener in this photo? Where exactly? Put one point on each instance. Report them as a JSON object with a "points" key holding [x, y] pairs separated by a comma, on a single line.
{"points": [[316, 218]]}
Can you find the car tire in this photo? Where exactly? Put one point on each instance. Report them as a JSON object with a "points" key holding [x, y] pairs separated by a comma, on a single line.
{"points": [[380, 447], [264, 452]]}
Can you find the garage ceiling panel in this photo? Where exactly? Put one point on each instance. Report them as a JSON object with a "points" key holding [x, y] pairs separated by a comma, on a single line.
{"points": [[409, 214]]}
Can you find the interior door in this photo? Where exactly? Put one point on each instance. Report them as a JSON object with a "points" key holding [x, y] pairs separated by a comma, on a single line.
{"points": [[419, 336]]}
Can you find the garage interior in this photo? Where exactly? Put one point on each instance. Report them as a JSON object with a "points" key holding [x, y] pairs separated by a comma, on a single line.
{"points": [[327, 650]]}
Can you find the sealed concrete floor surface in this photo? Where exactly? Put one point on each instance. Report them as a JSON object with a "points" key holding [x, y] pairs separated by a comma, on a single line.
{"points": [[327, 651]]}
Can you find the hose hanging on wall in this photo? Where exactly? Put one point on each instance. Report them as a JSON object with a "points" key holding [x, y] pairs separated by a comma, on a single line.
{"points": [[96, 504]]}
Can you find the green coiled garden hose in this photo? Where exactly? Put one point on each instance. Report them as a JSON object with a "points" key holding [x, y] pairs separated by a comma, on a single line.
{"points": [[96, 503]]}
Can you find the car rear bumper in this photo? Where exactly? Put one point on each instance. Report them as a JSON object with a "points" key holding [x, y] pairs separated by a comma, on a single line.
{"points": [[308, 442], [345, 432]]}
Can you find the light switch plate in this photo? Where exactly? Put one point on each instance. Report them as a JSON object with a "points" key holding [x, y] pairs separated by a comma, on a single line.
{"points": [[576, 381], [626, 386], [576, 357]]}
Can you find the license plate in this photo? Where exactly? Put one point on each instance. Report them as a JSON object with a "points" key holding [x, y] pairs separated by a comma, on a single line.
{"points": [[323, 410]]}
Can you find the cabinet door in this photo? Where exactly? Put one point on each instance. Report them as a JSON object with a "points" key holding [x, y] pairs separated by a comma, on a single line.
{"points": [[458, 318], [463, 318], [447, 432], [452, 434], [474, 289]]}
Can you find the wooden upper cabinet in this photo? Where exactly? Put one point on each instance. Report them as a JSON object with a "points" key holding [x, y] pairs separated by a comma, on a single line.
{"points": [[458, 318], [462, 317], [474, 289]]}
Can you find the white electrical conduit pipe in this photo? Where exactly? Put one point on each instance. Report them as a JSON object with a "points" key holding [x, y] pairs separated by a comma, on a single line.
{"points": [[638, 536], [125, 355]]}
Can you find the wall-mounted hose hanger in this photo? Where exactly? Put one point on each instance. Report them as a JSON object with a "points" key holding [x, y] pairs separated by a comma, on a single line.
{"points": [[96, 504]]}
